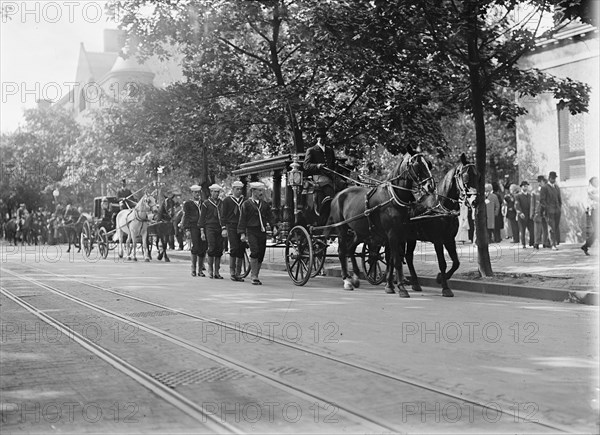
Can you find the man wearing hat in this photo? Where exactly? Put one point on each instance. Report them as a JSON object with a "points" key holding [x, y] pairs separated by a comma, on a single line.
{"points": [[210, 230], [124, 195], [540, 227], [524, 214], [230, 214], [255, 216], [318, 162], [550, 206], [167, 210], [191, 222]]}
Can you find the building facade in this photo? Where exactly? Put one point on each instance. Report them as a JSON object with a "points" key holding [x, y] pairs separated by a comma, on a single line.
{"points": [[550, 138]]}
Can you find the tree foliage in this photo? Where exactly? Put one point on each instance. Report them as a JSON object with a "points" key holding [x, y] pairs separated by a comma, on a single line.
{"points": [[32, 164]]}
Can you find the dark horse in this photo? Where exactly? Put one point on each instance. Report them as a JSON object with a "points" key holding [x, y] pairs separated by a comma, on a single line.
{"points": [[164, 229], [439, 222], [73, 232], [378, 215]]}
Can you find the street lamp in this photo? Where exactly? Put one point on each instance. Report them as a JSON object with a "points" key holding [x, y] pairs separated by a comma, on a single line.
{"points": [[294, 180]]}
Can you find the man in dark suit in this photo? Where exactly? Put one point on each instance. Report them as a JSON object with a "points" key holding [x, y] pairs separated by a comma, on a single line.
{"points": [[318, 161], [524, 216], [125, 196], [550, 206]]}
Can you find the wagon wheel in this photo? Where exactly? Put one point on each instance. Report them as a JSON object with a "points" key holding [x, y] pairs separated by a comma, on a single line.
{"points": [[298, 255], [102, 240], [373, 263], [86, 241], [319, 254]]}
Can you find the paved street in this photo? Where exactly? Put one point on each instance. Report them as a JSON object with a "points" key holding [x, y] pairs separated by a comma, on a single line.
{"points": [[199, 355]]}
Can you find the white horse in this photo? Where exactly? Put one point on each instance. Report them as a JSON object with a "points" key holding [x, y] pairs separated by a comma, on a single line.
{"points": [[134, 223]]}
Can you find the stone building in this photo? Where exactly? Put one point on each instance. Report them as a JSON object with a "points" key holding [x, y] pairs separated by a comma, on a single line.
{"points": [[551, 139]]}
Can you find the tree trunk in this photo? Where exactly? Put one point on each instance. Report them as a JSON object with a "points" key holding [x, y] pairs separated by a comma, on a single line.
{"points": [[483, 255]]}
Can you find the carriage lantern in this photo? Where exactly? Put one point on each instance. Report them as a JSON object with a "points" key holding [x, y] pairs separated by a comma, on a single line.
{"points": [[294, 176]]}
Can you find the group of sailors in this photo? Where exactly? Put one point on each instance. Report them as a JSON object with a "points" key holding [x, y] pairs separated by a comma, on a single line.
{"points": [[239, 220]]}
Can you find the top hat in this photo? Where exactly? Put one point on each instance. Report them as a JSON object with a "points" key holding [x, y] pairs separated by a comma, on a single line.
{"points": [[321, 131], [541, 178]]}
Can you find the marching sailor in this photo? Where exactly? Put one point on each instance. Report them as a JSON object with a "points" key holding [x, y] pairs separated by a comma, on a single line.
{"points": [[231, 211], [255, 215], [211, 231]]}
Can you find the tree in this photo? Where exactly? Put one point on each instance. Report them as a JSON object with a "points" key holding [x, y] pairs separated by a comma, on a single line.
{"points": [[32, 163], [470, 51]]}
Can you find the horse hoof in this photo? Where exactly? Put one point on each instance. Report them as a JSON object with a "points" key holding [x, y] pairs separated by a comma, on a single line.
{"points": [[447, 293], [403, 294], [355, 281], [348, 285], [167, 260], [389, 290], [417, 288], [147, 260]]}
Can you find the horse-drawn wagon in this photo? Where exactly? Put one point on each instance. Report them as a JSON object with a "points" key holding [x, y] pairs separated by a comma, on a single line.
{"points": [[292, 204], [99, 230], [384, 217]]}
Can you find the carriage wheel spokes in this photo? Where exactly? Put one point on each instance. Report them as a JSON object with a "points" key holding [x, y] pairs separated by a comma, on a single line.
{"points": [[102, 240], [319, 254], [373, 263], [299, 255], [86, 242]]}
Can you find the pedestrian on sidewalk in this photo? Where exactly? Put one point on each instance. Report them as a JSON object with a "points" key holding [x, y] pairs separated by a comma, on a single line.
{"points": [[540, 227], [492, 206], [232, 206], [499, 223], [211, 230], [191, 224], [255, 216], [511, 212], [524, 215], [591, 214], [551, 204]]}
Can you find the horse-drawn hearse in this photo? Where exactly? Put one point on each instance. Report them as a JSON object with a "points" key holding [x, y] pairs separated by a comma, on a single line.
{"points": [[385, 217]]}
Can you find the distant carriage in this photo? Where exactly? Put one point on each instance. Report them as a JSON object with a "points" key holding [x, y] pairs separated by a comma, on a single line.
{"points": [[99, 230]]}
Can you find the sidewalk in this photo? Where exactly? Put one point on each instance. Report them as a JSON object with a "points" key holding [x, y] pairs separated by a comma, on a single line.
{"points": [[565, 275]]}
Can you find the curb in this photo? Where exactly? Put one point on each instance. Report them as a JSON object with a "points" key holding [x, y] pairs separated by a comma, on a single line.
{"points": [[492, 288]]}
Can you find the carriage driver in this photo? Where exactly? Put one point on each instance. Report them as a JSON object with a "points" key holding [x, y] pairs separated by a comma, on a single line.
{"points": [[190, 222], [124, 195], [318, 160], [211, 231], [230, 214], [106, 215], [255, 215]]}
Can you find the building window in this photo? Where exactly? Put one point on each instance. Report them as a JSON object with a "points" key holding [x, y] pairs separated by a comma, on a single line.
{"points": [[571, 143]]}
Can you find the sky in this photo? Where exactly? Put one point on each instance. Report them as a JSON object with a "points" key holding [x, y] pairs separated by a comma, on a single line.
{"points": [[39, 50]]}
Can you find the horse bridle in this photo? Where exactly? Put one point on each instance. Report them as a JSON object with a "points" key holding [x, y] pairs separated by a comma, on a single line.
{"points": [[463, 191], [412, 175]]}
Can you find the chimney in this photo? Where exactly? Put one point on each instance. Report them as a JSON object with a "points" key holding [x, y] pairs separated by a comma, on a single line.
{"points": [[114, 40]]}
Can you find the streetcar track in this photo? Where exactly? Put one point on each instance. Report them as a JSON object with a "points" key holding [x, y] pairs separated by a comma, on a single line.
{"points": [[205, 352], [169, 395], [271, 338]]}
